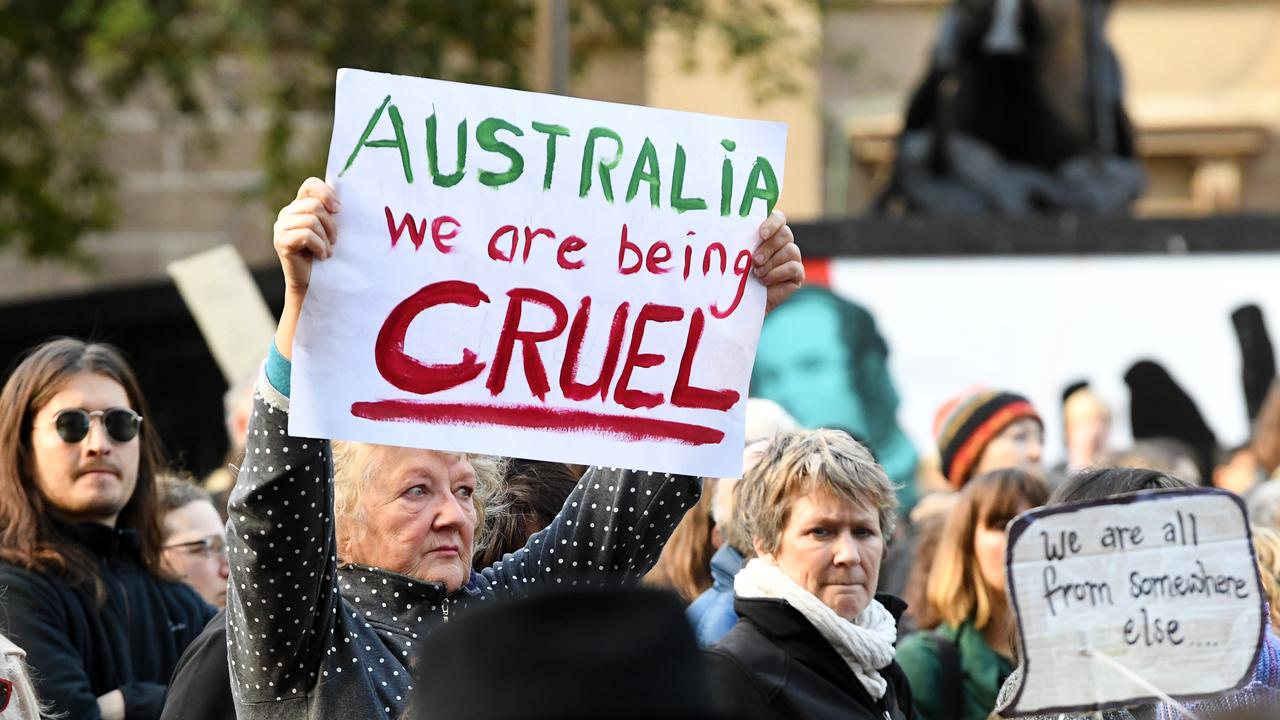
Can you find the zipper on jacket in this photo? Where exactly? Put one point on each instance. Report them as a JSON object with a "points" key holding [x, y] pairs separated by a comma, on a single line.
{"points": [[444, 610]]}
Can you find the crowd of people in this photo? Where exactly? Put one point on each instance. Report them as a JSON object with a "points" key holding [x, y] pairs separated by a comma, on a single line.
{"points": [[337, 579]]}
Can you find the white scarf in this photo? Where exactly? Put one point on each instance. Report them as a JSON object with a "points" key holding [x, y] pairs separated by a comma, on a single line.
{"points": [[866, 644]]}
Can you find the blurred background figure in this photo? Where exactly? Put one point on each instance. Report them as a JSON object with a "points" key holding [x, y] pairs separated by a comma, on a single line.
{"points": [[967, 652], [195, 548], [1266, 544], [822, 358], [686, 563], [237, 404], [1264, 506], [982, 429], [1245, 470], [766, 418], [1161, 409], [1021, 112], [712, 613], [978, 431], [1167, 455], [531, 494], [1086, 425]]}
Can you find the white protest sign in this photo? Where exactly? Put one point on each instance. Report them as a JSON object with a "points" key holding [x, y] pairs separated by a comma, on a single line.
{"points": [[537, 276], [1119, 598]]}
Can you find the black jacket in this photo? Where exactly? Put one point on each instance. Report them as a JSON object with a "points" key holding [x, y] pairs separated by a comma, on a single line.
{"points": [[775, 664], [201, 685], [78, 649]]}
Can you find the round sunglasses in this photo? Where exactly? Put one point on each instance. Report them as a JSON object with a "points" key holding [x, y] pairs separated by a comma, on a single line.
{"points": [[121, 424]]}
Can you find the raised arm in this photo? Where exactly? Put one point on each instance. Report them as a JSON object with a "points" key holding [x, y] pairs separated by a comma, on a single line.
{"points": [[304, 232], [281, 607], [280, 541], [609, 532]]}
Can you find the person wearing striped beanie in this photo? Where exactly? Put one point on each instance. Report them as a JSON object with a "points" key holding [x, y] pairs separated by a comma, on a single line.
{"points": [[982, 429]]}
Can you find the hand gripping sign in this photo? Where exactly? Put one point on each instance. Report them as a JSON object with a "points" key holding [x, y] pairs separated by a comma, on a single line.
{"points": [[537, 276], [1139, 598]]}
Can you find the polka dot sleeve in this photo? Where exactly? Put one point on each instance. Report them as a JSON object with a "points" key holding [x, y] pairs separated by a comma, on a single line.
{"points": [[609, 532], [282, 607]]}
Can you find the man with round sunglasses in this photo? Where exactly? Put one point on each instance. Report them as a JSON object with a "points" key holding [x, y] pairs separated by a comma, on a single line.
{"points": [[83, 588]]}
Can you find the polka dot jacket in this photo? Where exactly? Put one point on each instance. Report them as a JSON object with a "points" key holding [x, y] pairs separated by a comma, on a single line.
{"points": [[308, 638]]}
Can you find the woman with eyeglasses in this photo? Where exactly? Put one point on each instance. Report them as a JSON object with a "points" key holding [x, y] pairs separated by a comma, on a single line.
{"points": [[195, 548]]}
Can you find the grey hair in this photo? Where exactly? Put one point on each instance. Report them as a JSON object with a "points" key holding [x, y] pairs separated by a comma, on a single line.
{"points": [[178, 491], [798, 463], [24, 703], [355, 464]]}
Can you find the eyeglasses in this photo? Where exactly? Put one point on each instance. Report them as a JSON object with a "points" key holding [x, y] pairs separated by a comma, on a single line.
{"points": [[208, 547], [120, 423], [6, 692]]}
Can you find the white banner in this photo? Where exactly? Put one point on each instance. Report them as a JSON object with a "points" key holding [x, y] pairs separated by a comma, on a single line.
{"points": [[1119, 598], [1036, 324], [537, 276]]}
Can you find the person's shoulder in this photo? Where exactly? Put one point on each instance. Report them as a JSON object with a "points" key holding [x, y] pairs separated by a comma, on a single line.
{"points": [[749, 649], [749, 669], [15, 579], [701, 604], [182, 599], [11, 572], [917, 655]]}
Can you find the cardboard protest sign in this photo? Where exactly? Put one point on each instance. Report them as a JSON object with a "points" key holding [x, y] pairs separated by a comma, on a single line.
{"points": [[228, 308], [537, 276], [1123, 599]]}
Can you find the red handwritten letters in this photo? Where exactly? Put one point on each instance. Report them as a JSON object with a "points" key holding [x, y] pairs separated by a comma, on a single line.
{"points": [[527, 332]]}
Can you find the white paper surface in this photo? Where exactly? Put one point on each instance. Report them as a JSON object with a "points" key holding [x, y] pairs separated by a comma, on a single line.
{"points": [[228, 308], [340, 388], [1163, 583]]}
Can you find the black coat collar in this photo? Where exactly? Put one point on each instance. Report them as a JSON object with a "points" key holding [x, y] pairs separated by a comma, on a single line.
{"points": [[103, 541], [794, 634]]}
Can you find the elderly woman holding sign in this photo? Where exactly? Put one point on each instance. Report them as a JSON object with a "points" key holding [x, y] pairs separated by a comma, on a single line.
{"points": [[815, 640], [342, 559]]}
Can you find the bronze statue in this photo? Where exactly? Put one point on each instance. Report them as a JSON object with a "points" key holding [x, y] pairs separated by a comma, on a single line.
{"points": [[1021, 112]]}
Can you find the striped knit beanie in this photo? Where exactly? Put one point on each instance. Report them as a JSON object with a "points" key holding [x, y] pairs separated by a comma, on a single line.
{"points": [[967, 422]]}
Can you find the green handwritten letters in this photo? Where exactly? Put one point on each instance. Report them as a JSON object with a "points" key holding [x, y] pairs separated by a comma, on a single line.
{"points": [[601, 150]]}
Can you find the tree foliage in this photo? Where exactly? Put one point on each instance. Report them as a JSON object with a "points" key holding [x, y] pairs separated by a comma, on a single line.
{"points": [[65, 63]]}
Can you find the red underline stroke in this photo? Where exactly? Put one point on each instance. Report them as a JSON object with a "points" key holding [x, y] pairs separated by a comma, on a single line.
{"points": [[538, 418]]}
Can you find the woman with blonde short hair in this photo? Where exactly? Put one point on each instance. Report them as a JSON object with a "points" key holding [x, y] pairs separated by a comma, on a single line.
{"points": [[962, 662], [814, 639]]}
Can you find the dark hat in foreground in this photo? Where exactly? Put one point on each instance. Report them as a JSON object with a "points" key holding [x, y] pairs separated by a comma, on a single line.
{"points": [[583, 654]]}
